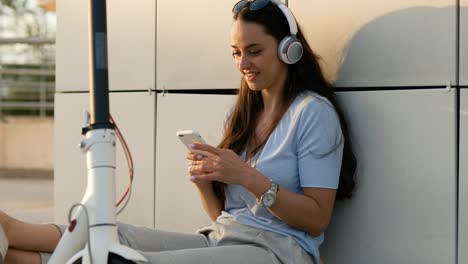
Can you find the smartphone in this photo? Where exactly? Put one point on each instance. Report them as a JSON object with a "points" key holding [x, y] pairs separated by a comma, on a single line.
{"points": [[191, 136]]}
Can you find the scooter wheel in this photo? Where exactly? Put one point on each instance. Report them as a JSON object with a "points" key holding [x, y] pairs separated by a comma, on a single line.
{"points": [[116, 259], [113, 259]]}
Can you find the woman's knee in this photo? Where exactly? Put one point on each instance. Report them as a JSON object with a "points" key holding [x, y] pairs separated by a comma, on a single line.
{"points": [[6, 222]]}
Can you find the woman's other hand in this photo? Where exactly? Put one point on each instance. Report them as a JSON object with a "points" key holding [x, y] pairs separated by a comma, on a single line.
{"points": [[193, 159], [212, 203], [223, 166]]}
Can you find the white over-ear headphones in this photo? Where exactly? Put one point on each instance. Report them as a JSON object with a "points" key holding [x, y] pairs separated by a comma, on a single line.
{"points": [[290, 48]]}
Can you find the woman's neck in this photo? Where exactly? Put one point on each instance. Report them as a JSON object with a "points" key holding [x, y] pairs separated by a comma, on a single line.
{"points": [[271, 102], [273, 96]]}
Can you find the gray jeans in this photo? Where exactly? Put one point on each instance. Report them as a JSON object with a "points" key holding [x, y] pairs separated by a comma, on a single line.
{"points": [[223, 242]]}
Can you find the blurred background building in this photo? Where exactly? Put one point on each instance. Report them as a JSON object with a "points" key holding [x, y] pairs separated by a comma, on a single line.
{"points": [[27, 85]]}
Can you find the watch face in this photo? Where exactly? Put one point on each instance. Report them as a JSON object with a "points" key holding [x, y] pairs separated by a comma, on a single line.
{"points": [[268, 199]]}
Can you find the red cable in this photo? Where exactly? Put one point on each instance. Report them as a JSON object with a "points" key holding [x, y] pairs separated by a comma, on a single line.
{"points": [[128, 156]]}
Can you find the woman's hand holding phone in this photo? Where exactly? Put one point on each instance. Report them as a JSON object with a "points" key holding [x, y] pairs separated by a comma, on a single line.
{"points": [[189, 137]]}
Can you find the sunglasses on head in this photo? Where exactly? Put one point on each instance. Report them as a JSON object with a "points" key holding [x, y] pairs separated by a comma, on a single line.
{"points": [[254, 5]]}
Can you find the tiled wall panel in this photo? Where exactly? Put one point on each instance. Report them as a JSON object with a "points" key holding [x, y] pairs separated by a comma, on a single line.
{"points": [[178, 206], [72, 69], [463, 182], [131, 45], [404, 205], [464, 42], [194, 48], [368, 43]]}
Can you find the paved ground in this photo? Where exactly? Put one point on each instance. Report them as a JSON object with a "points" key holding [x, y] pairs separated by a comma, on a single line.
{"points": [[28, 199]]}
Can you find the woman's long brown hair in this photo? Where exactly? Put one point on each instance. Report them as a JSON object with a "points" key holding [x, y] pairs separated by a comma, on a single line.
{"points": [[305, 75]]}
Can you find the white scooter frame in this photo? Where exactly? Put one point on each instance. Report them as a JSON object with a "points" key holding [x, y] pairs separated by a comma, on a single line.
{"points": [[91, 237], [99, 201]]}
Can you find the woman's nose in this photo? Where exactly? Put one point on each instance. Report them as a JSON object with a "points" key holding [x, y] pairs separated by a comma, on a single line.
{"points": [[243, 63]]}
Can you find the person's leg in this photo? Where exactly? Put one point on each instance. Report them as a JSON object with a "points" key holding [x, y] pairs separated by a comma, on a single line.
{"points": [[148, 239], [29, 237], [214, 255], [3, 244], [15, 256]]}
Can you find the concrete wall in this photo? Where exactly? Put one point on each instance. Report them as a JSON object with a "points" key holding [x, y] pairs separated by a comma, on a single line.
{"points": [[26, 143]]}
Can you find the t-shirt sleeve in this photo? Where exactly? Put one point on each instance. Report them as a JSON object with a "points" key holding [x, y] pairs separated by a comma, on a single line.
{"points": [[320, 145]]}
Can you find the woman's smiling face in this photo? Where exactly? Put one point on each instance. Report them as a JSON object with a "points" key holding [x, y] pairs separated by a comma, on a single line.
{"points": [[256, 55]]}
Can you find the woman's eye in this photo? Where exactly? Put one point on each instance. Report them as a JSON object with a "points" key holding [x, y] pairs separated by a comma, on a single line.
{"points": [[235, 53], [254, 52]]}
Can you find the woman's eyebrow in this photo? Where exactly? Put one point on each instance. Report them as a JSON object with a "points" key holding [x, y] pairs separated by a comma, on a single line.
{"points": [[248, 46]]}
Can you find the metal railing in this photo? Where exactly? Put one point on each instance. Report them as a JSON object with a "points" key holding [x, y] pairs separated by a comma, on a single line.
{"points": [[27, 88], [30, 98]]}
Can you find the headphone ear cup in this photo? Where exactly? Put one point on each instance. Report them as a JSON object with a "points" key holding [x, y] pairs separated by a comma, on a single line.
{"points": [[290, 50]]}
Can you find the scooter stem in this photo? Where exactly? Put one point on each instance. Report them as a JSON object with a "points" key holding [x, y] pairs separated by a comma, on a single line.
{"points": [[92, 235]]}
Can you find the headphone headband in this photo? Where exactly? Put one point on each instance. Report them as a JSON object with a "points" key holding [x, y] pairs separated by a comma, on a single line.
{"points": [[289, 16]]}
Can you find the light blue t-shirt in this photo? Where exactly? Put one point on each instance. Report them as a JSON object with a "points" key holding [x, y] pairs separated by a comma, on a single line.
{"points": [[304, 150]]}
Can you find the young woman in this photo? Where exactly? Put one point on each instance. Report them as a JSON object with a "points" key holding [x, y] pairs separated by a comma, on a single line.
{"points": [[271, 184]]}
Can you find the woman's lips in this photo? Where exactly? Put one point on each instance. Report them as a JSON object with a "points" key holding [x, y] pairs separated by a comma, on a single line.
{"points": [[250, 76]]}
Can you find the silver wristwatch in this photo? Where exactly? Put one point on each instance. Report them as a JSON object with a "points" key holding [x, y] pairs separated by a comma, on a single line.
{"points": [[269, 197]]}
